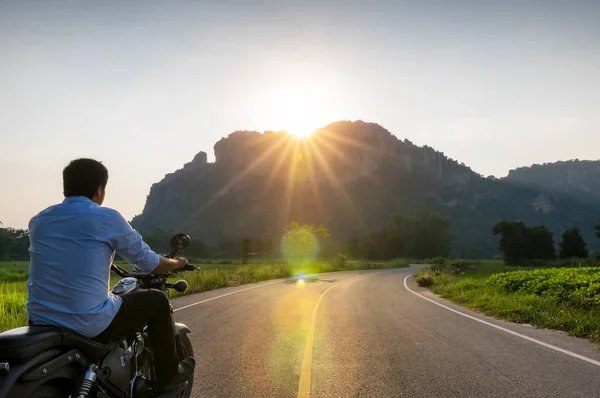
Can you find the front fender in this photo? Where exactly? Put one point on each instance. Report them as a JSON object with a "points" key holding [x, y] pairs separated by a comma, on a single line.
{"points": [[180, 328]]}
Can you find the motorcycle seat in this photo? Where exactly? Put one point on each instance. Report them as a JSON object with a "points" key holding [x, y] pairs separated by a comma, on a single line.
{"points": [[26, 342], [92, 349]]}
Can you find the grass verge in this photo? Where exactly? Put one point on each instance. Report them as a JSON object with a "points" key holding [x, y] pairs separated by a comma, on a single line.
{"points": [[13, 293], [557, 307]]}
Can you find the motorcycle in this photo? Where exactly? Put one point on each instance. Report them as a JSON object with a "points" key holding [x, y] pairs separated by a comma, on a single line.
{"points": [[52, 362]]}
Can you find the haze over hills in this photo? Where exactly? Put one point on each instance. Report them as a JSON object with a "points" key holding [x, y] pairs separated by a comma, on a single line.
{"points": [[575, 177], [350, 177]]}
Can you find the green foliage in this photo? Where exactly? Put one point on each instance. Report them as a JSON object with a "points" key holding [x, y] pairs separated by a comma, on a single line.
{"points": [[520, 242], [565, 284], [14, 244], [557, 299], [454, 266], [13, 275], [426, 234], [12, 310], [573, 245], [300, 243], [339, 260]]}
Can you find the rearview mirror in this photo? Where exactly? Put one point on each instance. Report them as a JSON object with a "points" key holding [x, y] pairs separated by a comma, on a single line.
{"points": [[180, 241]]}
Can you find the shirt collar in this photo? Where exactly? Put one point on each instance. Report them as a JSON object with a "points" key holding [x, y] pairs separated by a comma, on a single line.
{"points": [[75, 199]]}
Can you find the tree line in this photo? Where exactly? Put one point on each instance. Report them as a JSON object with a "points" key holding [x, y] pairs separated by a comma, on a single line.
{"points": [[14, 244], [519, 242], [425, 234]]}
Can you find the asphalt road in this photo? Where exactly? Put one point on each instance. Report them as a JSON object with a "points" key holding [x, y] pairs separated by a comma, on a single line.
{"points": [[369, 336]]}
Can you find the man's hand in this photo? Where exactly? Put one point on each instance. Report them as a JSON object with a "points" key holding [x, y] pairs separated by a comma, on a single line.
{"points": [[182, 261], [170, 264]]}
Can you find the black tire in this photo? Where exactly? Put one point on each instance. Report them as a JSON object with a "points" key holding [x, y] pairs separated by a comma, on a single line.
{"points": [[50, 390], [188, 351]]}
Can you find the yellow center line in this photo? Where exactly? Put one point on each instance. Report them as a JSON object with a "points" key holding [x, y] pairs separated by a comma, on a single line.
{"points": [[306, 368]]}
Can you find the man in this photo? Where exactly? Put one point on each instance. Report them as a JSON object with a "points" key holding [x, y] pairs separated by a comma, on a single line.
{"points": [[72, 245]]}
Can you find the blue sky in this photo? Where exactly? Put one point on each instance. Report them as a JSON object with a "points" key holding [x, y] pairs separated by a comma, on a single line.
{"points": [[144, 86]]}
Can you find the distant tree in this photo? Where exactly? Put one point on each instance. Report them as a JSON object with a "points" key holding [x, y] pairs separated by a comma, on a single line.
{"points": [[3, 243], [245, 250], [519, 242], [425, 234], [197, 249], [429, 235], [540, 243], [158, 239], [300, 243], [513, 241], [398, 235], [573, 244], [597, 228], [353, 248]]}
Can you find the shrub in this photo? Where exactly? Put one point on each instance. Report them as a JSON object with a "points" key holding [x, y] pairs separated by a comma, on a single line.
{"points": [[425, 279], [339, 261], [579, 286]]}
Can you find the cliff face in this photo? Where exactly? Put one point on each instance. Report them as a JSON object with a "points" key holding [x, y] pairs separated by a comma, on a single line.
{"points": [[571, 177], [349, 177]]}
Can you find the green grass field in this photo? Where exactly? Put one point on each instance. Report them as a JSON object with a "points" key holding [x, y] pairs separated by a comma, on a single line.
{"points": [[565, 299], [13, 291]]}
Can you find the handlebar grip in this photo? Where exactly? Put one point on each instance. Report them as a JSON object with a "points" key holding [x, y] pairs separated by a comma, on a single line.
{"points": [[189, 267]]}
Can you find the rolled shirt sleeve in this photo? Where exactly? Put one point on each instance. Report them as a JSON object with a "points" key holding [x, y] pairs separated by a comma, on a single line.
{"points": [[128, 244]]}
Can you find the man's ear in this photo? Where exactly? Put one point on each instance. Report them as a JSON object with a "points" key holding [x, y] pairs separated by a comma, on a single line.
{"points": [[99, 196]]}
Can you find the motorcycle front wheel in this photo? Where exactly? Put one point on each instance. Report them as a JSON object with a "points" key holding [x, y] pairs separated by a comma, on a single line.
{"points": [[188, 351]]}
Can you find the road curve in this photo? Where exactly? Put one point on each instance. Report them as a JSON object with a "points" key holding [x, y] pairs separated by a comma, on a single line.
{"points": [[371, 337]]}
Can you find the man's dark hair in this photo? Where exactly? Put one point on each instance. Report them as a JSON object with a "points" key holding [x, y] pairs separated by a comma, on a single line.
{"points": [[83, 177]]}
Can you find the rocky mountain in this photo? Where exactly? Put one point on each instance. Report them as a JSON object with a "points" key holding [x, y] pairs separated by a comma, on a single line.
{"points": [[348, 177], [580, 178]]}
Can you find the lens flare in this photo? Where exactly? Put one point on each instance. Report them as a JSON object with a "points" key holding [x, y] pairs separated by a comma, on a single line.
{"points": [[300, 283], [299, 246]]}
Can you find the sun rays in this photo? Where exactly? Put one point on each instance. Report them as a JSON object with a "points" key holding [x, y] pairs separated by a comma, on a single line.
{"points": [[299, 176]]}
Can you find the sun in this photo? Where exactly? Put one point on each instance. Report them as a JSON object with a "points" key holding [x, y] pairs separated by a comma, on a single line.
{"points": [[301, 133], [298, 108]]}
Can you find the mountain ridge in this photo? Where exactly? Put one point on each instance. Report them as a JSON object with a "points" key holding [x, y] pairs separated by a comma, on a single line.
{"points": [[349, 176]]}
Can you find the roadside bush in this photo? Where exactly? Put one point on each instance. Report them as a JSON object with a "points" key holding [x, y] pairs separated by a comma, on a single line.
{"points": [[440, 265], [580, 286], [457, 266], [425, 279], [339, 261]]}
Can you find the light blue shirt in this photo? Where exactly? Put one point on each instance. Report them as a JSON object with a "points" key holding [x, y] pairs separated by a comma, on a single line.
{"points": [[72, 245]]}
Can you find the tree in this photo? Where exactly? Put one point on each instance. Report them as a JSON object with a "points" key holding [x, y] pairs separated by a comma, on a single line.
{"points": [[353, 248], [426, 234], [597, 228], [397, 232], [540, 243], [513, 241], [520, 242], [300, 243], [430, 235], [3, 242], [245, 250], [572, 244]]}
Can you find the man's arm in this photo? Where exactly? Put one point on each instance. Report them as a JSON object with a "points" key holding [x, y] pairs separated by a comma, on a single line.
{"points": [[128, 243]]}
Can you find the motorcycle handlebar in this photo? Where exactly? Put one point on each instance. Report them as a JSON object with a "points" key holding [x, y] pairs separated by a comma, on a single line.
{"points": [[126, 274], [189, 267]]}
